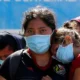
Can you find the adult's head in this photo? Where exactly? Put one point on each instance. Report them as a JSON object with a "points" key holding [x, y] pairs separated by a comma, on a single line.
{"points": [[38, 24], [10, 43], [73, 24], [39, 12], [65, 44]]}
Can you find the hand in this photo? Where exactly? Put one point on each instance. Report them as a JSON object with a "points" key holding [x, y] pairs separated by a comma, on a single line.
{"points": [[67, 40], [46, 78]]}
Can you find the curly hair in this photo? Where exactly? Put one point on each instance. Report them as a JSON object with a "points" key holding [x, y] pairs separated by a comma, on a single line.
{"points": [[59, 34]]}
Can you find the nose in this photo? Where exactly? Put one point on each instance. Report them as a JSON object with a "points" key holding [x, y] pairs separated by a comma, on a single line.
{"points": [[36, 32]]}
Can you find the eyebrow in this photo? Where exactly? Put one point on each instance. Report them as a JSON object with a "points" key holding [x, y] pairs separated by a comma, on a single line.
{"points": [[42, 27], [39, 28], [29, 28]]}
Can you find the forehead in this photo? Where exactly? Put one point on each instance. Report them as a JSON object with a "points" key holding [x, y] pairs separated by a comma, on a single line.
{"points": [[36, 23]]}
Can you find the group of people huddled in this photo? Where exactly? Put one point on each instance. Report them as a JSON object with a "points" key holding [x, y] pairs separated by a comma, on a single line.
{"points": [[42, 52]]}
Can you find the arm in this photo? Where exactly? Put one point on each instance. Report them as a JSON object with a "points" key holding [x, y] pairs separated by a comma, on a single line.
{"points": [[1, 78], [75, 69], [76, 74]]}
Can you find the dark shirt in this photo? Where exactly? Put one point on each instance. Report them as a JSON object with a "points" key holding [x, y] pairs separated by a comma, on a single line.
{"points": [[28, 70]]}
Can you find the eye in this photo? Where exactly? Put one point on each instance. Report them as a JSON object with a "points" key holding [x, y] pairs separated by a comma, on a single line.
{"points": [[29, 31], [43, 31]]}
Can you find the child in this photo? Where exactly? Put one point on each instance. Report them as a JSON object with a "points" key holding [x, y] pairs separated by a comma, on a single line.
{"points": [[65, 44]]}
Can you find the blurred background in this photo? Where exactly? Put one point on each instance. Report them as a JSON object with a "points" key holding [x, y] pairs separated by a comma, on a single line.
{"points": [[11, 12]]}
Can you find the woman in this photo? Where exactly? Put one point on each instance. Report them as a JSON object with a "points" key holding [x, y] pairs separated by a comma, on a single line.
{"points": [[36, 62]]}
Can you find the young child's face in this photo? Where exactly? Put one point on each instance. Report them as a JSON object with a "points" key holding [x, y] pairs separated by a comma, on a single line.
{"points": [[57, 41], [67, 40]]}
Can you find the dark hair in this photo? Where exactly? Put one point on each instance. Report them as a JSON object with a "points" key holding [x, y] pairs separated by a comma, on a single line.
{"points": [[43, 13], [14, 41]]}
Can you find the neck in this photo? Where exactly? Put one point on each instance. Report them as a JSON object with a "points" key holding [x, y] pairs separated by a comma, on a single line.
{"points": [[42, 59]]}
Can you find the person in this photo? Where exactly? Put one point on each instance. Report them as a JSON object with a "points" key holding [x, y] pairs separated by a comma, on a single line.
{"points": [[75, 69], [63, 39], [65, 46], [10, 43], [36, 62], [73, 24]]}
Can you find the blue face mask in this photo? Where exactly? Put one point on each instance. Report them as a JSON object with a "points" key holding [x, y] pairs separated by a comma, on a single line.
{"points": [[65, 54], [1, 61], [38, 43]]}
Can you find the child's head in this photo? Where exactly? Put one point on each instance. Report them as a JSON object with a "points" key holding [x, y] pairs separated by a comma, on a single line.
{"points": [[65, 37]]}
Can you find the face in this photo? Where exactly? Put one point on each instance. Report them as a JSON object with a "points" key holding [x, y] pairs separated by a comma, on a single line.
{"points": [[76, 47], [67, 40], [4, 53], [37, 27]]}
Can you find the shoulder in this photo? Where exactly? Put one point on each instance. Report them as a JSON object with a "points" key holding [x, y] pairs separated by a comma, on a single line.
{"points": [[19, 52]]}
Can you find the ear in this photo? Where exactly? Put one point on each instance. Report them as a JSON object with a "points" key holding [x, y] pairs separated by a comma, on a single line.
{"points": [[68, 39]]}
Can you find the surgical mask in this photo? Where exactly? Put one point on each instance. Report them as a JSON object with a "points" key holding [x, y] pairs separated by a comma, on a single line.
{"points": [[1, 61], [38, 43], [65, 54]]}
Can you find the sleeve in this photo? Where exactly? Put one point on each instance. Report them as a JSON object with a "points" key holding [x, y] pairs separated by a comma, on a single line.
{"points": [[4, 69], [74, 66]]}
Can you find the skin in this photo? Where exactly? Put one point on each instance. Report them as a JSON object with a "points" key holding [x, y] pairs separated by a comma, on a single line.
{"points": [[68, 40], [76, 48], [38, 27], [46, 78], [1, 78], [5, 52], [76, 74]]}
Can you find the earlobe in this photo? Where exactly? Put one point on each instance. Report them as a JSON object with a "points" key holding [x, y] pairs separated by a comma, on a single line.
{"points": [[68, 39]]}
